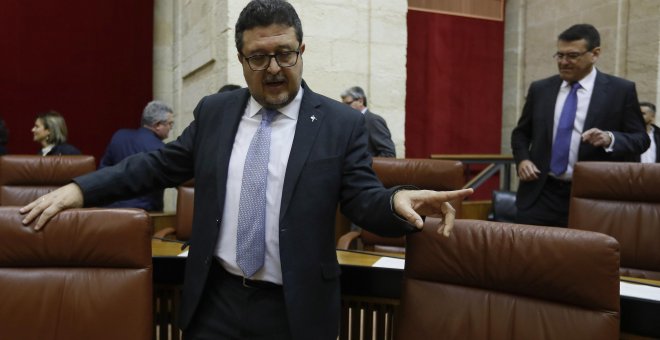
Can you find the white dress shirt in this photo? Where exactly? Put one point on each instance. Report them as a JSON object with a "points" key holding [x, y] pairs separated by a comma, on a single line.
{"points": [[283, 129], [650, 154], [584, 97]]}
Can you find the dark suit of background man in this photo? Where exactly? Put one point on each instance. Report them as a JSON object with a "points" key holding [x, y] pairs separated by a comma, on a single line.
{"points": [[157, 121], [652, 154], [380, 139], [608, 126], [318, 158]]}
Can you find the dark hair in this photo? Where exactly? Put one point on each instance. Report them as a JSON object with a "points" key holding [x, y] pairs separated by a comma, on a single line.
{"points": [[262, 13], [229, 87], [582, 31], [649, 105]]}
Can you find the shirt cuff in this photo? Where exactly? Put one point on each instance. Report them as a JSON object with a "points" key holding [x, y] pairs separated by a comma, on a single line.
{"points": [[610, 148]]}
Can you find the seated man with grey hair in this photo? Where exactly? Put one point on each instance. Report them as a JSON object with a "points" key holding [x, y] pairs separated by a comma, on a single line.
{"points": [[380, 139], [157, 121]]}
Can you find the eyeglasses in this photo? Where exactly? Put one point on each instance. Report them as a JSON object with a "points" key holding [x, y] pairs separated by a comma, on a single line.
{"points": [[171, 124], [349, 102], [570, 56], [260, 62]]}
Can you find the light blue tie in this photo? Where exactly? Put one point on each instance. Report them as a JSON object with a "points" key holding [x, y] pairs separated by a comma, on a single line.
{"points": [[562, 145], [251, 236]]}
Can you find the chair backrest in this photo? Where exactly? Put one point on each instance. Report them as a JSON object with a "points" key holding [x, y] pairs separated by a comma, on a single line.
{"points": [[429, 174], [503, 207], [621, 200], [86, 275], [23, 178], [185, 203], [492, 280]]}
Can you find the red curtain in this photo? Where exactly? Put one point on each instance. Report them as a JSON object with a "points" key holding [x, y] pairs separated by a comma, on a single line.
{"points": [[454, 85], [89, 60]]}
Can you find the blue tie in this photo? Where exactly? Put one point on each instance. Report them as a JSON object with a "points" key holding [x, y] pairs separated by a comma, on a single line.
{"points": [[562, 144], [251, 235]]}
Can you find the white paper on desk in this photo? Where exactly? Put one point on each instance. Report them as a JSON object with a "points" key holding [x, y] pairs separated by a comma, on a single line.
{"points": [[390, 262], [184, 254], [639, 291]]}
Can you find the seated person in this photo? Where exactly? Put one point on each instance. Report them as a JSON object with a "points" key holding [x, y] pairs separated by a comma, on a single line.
{"points": [[50, 131], [157, 121]]}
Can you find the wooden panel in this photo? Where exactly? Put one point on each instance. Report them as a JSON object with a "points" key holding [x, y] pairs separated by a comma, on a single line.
{"points": [[483, 9], [475, 210]]}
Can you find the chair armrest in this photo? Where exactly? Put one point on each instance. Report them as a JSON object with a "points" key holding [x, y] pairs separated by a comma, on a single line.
{"points": [[345, 240], [168, 232]]}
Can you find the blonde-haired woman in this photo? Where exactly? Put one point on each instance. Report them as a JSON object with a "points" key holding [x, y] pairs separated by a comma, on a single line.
{"points": [[50, 131]]}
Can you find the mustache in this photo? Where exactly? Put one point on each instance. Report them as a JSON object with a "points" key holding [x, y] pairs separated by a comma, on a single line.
{"points": [[274, 79]]}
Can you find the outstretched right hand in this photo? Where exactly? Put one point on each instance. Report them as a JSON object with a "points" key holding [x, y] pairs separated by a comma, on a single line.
{"points": [[49, 205]]}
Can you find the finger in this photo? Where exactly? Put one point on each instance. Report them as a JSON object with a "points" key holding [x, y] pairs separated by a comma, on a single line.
{"points": [[45, 216], [30, 205], [412, 217], [455, 194], [32, 214], [448, 220]]}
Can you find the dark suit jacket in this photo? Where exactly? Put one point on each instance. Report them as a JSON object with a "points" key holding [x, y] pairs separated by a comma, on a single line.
{"points": [[63, 149], [613, 107], [125, 143], [380, 139], [328, 164]]}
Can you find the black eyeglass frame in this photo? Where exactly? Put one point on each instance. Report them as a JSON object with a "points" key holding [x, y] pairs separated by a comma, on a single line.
{"points": [[570, 56], [270, 59]]}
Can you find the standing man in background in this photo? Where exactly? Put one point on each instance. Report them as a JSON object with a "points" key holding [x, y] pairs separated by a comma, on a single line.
{"points": [[157, 121], [581, 114], [380, 139], [652, 154]]}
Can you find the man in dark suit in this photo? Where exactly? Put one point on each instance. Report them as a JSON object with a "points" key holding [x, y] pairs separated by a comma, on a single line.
{"points": [[380, 139], [318, 158], [652, 154], [581, 114], [157, 121]]}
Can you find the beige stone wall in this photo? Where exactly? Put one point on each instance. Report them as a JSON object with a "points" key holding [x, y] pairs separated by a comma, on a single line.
{"points": [[347, 43]]}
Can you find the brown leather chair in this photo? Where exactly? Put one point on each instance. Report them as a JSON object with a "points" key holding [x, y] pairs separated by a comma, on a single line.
{"points": [[621, 200], [430, 174], [23, 178], [86, 275], [185, 203], [492, 280]]}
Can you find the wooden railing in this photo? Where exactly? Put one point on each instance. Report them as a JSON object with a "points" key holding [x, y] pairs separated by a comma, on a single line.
{"points": [[495, 164]]}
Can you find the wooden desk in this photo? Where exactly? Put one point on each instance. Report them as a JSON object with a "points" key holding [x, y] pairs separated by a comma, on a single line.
{"points": [[162, 220], [369, 291]]}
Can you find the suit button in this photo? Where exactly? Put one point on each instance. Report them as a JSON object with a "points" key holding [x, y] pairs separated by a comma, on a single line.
{"points": [[207, 261]]}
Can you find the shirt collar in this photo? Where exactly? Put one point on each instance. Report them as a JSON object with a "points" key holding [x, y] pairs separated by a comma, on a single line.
{"points": [[587, 82], [291, 110]]}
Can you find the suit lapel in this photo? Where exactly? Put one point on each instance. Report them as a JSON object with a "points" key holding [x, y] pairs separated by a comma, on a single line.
{"points": [[309, 123], [597, 102], [548, 106], [226, 133]]}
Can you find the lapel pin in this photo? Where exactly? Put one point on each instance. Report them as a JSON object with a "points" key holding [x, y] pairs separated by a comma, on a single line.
{"points": [[313, 118]]}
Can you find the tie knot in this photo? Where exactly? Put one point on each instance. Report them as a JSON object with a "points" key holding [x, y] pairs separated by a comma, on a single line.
{"points": [[268, 115], [575, 86]]}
